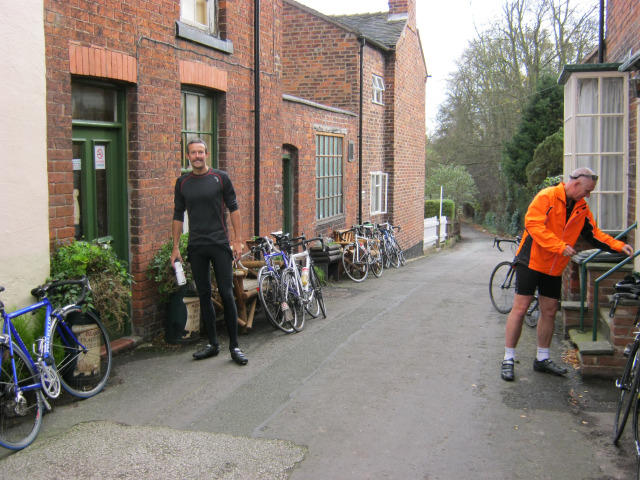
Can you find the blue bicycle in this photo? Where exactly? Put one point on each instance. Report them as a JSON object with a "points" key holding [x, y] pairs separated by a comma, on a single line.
{"points": [[277, 310], [74, 354]]}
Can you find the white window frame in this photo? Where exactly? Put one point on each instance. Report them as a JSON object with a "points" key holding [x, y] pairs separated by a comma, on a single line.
{"points": [[379, 186], [378, 88], [584, 150], [188, 10], [329, 175]]}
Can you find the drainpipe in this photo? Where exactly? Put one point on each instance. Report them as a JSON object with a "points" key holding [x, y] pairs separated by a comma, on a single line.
{"points": [[601, 34], [360, 116], [256, 67]]}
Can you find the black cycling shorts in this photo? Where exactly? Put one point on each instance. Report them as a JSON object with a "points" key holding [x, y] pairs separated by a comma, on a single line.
{"points": [[527, 281]]}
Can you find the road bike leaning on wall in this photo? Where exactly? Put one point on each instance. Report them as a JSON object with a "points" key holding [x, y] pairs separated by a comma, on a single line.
{"points": [[74, 354], [276, 309], [300, 283], [362, 254], [502, 285], [629, 382]]}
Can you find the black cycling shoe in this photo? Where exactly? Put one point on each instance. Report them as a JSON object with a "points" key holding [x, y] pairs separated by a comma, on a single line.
{"points": [[206, 352], [548, 366], [507, 370], [239, 357]]}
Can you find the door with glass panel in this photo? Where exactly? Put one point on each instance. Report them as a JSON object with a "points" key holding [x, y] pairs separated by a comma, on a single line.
{"points": [[99, 167]]}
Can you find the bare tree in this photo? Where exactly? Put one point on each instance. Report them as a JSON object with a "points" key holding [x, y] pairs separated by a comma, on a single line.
{"points": [[496, 75]]}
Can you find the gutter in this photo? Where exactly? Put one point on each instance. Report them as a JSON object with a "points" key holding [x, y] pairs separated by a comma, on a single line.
{"points": [[256, 168], [363, 41]]}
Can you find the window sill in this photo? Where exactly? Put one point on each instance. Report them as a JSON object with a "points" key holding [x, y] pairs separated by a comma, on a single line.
{"points": [[193, 34]]}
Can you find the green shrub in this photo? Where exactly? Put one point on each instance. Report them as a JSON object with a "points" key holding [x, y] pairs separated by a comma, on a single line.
{"points": [[109, 278], [162, 272], [432, 208]]}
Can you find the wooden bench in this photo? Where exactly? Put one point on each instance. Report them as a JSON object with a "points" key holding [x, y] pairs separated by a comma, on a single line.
{"points": [[245, 292], [344, 237], [328, 259]]}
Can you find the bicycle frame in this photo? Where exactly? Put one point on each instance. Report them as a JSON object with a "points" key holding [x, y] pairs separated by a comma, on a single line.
{"points": [[11, 336]]}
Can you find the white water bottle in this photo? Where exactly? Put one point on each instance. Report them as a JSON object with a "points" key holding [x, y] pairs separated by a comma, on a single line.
{"points": [[180, 278], [305, 276]]}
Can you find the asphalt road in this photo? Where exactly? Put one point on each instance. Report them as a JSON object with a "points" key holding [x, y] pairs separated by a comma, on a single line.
{"points": [[401, 381]]}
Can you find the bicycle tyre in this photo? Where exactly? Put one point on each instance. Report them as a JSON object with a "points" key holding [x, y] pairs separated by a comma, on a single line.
{"points": [[384, 253], [402, 261], [628, 385], [18, 429], [533, 314], [394, 259], [636, 433], [293, 297], [312, 305], [317, 289], [271, 299], [376, 265], [356, 271], [82, 373], [502, 287]]}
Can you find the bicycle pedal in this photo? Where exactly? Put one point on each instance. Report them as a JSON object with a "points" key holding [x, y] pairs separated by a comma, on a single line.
{"points": [[627, 350]]}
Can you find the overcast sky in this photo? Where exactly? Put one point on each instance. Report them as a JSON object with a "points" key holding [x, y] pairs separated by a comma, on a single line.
{"points": [[445, 28]]}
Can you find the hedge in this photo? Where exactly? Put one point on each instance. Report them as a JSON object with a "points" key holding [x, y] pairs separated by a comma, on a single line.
{"points": [[432, 208]]}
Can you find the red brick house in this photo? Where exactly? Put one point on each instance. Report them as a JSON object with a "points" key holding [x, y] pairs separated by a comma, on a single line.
{"points": [[601, 132], [128, 83]]}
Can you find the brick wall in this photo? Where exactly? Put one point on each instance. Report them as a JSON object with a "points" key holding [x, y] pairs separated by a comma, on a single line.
{"points": [[145, 31], [409, 139], [622, 40], [303, 123], [141, 35], [321, 60]]}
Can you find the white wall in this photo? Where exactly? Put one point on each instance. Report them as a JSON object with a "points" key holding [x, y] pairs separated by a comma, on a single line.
{"points": [[24, 218]]}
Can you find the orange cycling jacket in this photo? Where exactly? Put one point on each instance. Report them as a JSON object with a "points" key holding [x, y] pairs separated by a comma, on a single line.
{"points": [[548, 232]]}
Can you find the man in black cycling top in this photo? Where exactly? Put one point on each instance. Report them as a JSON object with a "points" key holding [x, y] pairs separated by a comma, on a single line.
{"points": [[205, 193]]}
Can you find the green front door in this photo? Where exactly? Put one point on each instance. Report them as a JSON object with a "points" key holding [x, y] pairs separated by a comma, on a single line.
{"points": [[100, 187]]}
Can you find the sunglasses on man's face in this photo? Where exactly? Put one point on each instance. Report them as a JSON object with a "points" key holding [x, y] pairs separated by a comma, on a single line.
{"points": [[592, 177]]}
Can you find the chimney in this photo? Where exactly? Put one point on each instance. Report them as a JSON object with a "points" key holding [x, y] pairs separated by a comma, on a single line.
{"points": [[399, 9]]}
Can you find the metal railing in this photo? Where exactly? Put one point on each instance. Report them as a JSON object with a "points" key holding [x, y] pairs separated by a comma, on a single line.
{"points": [[583, 283]]}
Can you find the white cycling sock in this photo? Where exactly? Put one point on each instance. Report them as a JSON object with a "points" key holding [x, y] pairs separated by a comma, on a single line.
{"points": [[509, 353], [543, 354]]}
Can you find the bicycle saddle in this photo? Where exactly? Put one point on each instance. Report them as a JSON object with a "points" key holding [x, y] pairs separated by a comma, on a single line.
{"points": [[629, 284]]}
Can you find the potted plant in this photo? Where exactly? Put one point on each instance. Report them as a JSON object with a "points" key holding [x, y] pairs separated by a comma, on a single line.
{"points": [[182, 320], [108, 275], [162, 272]]}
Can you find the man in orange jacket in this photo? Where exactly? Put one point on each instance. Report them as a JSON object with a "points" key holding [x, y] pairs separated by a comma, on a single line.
{"points": [[556, 217]]}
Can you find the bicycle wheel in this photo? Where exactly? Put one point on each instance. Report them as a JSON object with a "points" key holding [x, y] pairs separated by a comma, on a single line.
{"points": [[533, 314], [311, 304], [394, 259], [398, 253], [628, 385], [20, 421], [502, 287], [354, 262], [375, 258], [293, 297], [81, 350], [317, 291], [271, 299]]}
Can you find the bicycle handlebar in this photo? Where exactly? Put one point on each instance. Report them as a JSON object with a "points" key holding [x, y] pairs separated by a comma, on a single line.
{"points": [[497, 240], [40, 292]]}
